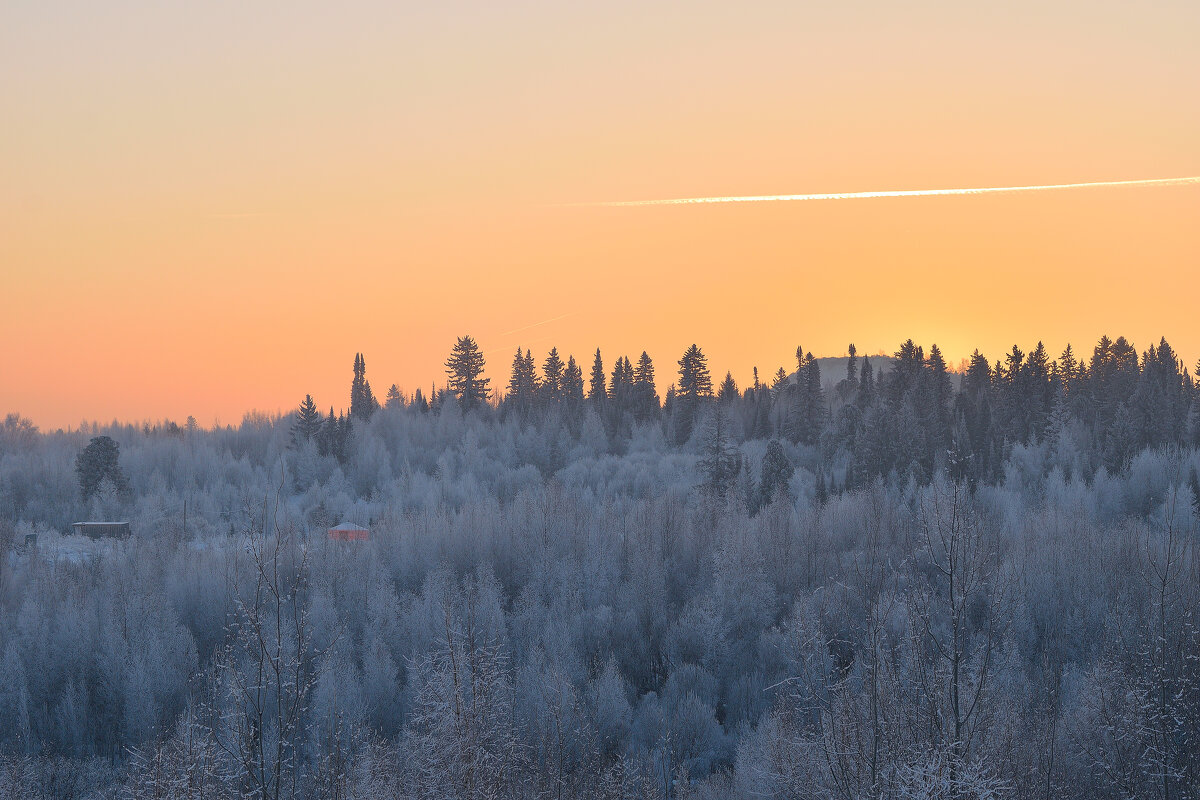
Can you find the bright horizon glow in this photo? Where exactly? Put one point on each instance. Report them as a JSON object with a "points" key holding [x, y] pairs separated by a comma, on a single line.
{"points": [[765, 198], [207, 208]]}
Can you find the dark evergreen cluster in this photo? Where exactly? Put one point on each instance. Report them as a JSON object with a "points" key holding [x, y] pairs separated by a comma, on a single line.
{"points": [[97, 463], [908, 421]]}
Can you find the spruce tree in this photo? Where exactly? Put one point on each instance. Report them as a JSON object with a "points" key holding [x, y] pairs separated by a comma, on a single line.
{"points": [[669, 400], [1161, 400], [695, 387], [934, 408], [720, 459], [866, 383], [761, 425], [1039, 389], [464, 369], [645, 396], [308, 421], [394, 400], [552, 374], [572, 383], [776, 473], [695, 382], [362, 401], [597, 388], [523, 384], [922, 419], [100, 460], [814, 400], [974, 405], [533, 384], [419, 400], [620, 387], [906, 371], [780, 383], [1068, 369], [327, 435], [372, 402], [1056, 425], [847, 387], [728, 393], [514, 379], [1011, 382], [806, 407], [978, 380], [341, 439]]}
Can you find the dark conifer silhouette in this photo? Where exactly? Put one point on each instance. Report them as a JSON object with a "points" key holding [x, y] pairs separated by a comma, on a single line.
{"points": [[645, 397], [464, 368], [728, 393], [522, 384], [308, 421], [694, 388], [98, 461], [334, 437], [572, 384], [776, 473], [393, 399], [362, 401], [597, 385], [552, 377], [720, 459]]}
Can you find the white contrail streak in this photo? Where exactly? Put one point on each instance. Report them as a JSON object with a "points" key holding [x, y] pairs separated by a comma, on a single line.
{"points": [[537, 324], [766, 198]]}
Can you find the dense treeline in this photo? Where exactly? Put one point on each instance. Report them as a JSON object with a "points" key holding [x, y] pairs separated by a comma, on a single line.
{"points": [[895, 582]]}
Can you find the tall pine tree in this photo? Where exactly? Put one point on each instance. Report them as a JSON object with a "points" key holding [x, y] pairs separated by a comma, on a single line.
{"points": [[728, 393], [362, 401], [572, 384], [620, 387], [694, 388], [308, 421], [552, 375], [720, 459], [597, 387], [394, 398], [464, 368], [523, 384], [645, 397]]}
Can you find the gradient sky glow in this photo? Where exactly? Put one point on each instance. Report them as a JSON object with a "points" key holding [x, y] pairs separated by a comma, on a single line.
{"points": [[210, 207]]}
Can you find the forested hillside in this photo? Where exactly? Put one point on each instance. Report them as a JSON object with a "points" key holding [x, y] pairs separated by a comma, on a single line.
{"points": [[607, 577]]}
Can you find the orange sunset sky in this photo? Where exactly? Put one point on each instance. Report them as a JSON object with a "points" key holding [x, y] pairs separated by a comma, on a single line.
{"points": [[210, 207]]}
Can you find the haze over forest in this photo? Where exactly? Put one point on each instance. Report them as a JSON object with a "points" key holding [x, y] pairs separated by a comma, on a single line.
{"points": [[625, 578]]}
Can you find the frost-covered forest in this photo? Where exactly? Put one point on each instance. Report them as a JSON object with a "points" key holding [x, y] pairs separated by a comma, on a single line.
{"points": [[619, 579]]}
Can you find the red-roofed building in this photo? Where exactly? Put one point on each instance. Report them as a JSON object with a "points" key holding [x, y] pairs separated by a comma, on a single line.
{"points": [[349, 532]]}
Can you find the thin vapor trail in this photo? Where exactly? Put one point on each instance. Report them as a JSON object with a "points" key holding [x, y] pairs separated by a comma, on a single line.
{"points": [[536, 324], [765, 198]]}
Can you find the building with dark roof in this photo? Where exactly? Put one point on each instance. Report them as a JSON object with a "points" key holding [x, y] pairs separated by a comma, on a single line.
{"points": [[102, 530]]}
